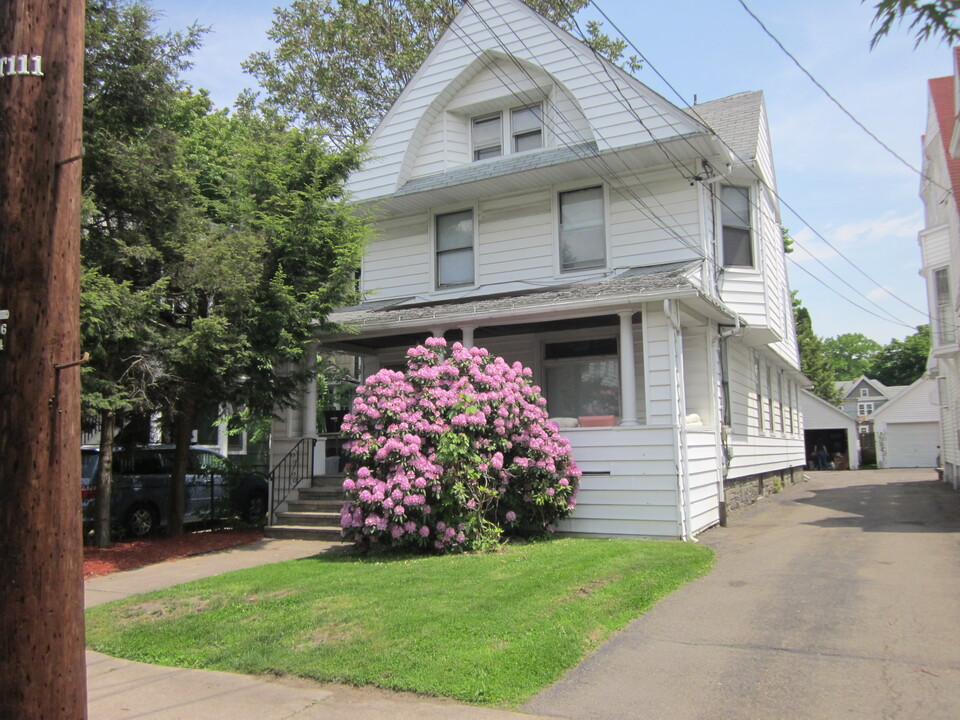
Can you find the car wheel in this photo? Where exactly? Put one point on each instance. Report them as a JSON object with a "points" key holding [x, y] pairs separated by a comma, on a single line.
{"points": [[142, 520], [255, 507]]}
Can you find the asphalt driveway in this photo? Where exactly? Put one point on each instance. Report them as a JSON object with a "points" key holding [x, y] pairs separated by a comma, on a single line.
{"points": [[838, 598]]}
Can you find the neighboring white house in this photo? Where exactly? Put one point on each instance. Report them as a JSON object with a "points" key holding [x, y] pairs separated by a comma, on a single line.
{"points": [[908, 427], [531, 198], [828, 426], [940, 248]]}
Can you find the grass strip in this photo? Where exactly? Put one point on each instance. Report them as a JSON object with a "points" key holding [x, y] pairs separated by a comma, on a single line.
{"points": [[490, 629]]}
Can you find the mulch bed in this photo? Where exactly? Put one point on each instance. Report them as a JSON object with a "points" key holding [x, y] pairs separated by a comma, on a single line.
{"points": [[137, 553]]}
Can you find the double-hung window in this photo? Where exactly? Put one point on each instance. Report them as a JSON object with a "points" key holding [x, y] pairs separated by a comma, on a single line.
{"points": [[454, 235], [583, 242], [487, 136], [735, 218], [864, 408], [526, 127], [946, 332], [582, 377]]}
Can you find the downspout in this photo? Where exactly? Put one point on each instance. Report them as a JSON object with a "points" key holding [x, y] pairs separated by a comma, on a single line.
{"points": [[681, 457]]}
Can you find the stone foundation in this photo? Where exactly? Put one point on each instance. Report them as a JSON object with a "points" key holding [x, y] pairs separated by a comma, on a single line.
{"points": [[742, 491]]}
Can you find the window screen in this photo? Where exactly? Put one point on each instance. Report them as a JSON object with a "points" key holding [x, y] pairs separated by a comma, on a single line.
{"points": [[735, 217], [455, 249], [582, 236]]}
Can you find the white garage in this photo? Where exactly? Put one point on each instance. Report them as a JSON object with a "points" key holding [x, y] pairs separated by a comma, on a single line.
{"points": [[912, 444], [908, 428]]}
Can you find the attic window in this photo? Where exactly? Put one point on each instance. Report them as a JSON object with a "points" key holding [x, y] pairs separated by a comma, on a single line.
{"points": [[526, 125], [487, 137], [864, 392]]}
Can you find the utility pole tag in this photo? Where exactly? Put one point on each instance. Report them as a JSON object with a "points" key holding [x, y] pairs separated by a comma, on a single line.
{"points": [[21, 65]]}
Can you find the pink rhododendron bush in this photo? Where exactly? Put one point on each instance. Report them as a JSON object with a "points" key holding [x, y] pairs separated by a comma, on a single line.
{"points": [[452, 453]]}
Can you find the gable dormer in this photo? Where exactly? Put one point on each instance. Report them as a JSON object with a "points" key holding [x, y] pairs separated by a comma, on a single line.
{"points": [[500, 56], [497, 106]]}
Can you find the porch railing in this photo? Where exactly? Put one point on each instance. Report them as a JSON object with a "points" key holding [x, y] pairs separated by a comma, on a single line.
{"points": [[296, 465]]}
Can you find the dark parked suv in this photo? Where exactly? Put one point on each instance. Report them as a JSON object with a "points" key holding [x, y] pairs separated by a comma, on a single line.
{"points": [[140, 489]]}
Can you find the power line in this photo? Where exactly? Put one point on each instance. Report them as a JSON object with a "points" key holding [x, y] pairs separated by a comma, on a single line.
{"points": [[692, 110], [837, 102]]}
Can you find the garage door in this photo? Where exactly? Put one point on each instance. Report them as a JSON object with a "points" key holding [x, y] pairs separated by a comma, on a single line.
{"points": [[913, 444]]}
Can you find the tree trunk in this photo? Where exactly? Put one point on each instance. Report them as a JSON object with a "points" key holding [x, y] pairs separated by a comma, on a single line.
{"points": [[183, 436], [42, 664], [101, 504]]}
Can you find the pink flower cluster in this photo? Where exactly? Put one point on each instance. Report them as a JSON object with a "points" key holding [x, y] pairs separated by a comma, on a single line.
{"points": [[400, 493]]}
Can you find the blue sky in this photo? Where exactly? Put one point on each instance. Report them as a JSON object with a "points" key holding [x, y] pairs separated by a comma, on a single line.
{"points": [[842, 183]]}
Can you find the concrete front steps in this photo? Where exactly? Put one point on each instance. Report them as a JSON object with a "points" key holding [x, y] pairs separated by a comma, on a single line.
{"points": [[312, 513]]}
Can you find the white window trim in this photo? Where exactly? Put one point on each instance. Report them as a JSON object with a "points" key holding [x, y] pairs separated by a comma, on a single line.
{"points": [[557, 190], [753, 202], [505, 113], [434, 270], [938, 335], [512, 133]]}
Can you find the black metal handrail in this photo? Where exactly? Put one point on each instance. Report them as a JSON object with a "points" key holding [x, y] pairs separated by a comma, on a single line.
{"points": [[296, 465]]}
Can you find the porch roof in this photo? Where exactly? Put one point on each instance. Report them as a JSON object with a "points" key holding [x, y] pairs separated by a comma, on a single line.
{"points": [[623, 291]]}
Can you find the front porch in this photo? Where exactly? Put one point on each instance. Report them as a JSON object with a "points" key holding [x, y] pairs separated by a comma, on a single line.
{"points": [[636, 390]]}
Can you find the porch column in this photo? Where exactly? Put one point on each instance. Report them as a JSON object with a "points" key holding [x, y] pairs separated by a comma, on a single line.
{"points": [[467, 336], [628, 371], [310, 395], [437, 332]]}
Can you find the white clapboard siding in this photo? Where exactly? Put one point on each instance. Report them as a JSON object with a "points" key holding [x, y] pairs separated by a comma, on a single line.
{"points": [[661, 407], [516, 239], [639, 496], [637, 216], [699, 382], [396, 261], [703, 462]]}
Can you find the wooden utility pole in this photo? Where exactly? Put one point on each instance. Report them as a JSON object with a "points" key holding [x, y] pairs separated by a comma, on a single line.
{"points": [[42, 668]]}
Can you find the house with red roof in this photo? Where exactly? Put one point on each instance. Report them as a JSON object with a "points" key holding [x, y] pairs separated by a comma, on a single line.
{"points": [[940, 248]]}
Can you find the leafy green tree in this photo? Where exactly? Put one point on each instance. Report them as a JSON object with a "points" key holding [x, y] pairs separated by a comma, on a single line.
{"points": [[215, 245], [851, 354], [136, 204], [814, 362], [339, 64], [935, 19], [901, 362]]}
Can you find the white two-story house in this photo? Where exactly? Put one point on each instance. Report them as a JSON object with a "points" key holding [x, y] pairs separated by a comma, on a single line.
{"points": [[940, 249], [532, 198]]}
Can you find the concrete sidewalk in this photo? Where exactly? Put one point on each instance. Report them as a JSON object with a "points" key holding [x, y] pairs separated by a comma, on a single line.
{"points": [[123, 690]]}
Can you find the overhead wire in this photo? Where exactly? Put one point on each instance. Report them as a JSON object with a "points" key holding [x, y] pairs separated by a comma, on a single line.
{"points": [[692, 110], [595, 160], [755, 202], [836, 102]]}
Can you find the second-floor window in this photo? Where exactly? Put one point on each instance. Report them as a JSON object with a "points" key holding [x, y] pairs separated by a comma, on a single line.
{"points": [[735, 218], [946, 332], [454, 249], [864, 409], [583, 241]]}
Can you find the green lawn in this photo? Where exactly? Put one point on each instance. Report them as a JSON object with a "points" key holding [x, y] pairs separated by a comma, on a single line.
{"points": [[491, 629]]}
